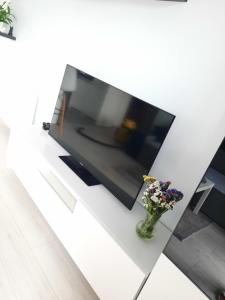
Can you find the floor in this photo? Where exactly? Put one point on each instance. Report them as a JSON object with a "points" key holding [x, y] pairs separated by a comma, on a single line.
{"points": [[33, 263], [201, 257]]}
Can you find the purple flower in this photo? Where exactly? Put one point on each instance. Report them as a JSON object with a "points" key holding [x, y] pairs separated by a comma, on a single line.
{"points": [[164, 185], [175, 195]]}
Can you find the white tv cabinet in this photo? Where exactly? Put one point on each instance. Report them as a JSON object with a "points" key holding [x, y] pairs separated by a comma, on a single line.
{"points": [[95, 228]]}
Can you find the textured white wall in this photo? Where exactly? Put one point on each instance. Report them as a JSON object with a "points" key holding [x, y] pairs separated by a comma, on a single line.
{"points": [[167, 53], [17, 89]]}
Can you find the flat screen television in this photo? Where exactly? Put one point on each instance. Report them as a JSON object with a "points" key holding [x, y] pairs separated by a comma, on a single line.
{"points": [[111, 134]]}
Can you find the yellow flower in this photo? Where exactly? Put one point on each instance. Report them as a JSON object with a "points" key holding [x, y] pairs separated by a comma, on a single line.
{"points": [[149, 178]]}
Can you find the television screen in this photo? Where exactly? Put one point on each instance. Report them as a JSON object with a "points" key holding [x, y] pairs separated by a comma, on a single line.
{"points": [[115, 135]]}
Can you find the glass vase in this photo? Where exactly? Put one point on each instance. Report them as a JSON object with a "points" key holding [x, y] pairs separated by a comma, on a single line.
{"points": [[145, 228], [4, 28]]}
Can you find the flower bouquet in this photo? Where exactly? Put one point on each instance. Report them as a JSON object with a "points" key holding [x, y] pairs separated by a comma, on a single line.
{"points": [[6, 16], [157, 199]]}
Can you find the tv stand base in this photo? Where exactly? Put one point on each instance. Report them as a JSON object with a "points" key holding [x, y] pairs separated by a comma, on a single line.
{"points": [[80, 170]]}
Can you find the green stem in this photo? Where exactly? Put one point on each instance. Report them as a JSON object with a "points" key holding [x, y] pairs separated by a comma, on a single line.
{"points": [[145, 228]]}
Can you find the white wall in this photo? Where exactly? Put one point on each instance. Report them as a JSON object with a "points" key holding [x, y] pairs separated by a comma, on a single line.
{"points": [[17, 89], [168, 53]]}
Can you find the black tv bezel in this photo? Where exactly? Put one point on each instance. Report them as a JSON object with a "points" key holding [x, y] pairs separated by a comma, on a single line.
{"points": [[117, 192]]}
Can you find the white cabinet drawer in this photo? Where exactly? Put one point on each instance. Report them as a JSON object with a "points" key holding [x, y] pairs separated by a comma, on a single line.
{"points": [[111, 273], [58, 216]]}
